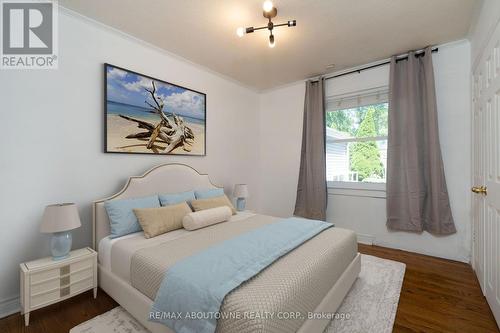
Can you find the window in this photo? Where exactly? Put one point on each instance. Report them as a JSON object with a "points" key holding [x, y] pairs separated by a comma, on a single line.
{"points": [[356, 140]]}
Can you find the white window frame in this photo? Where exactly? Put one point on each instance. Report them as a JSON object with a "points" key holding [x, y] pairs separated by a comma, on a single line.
{"points": [[334, 103]]}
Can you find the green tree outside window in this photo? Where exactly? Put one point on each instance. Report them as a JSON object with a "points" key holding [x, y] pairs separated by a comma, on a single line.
{"points": [[365, 156]]}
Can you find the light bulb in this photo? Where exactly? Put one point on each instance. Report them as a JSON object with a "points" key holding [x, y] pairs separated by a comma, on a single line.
{"points": [[272, 43], [240, 32], [267, 6]]}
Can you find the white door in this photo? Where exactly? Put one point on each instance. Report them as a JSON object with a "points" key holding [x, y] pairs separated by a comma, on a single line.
{"points": [[486, 172], [478, 179]]}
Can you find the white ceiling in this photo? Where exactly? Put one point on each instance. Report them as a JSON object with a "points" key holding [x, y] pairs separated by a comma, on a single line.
{"points": [[341, 32]]}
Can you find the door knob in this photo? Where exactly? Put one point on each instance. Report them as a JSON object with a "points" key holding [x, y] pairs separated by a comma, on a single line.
{"points": [[480, 190]]}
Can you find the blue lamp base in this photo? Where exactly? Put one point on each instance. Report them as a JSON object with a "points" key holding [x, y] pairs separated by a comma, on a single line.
{"points": [[240, 204], [60, 245]]}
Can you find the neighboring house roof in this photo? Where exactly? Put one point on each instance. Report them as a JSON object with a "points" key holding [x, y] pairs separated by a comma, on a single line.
{"points": [[333, 134]]}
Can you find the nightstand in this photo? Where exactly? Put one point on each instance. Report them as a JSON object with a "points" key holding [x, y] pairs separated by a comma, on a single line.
{"points": [[246, 211], [45, 281]]}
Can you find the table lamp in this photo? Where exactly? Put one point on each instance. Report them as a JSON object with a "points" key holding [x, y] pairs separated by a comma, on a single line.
{"points": [[240, 193], [59, 219]]}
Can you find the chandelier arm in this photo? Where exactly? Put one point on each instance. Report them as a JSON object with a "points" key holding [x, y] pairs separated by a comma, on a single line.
{"points": [[281, 25], [259, 28], [267, 27]]}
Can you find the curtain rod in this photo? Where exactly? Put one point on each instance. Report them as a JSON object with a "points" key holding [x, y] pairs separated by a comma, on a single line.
{"points": [[398, 58]]}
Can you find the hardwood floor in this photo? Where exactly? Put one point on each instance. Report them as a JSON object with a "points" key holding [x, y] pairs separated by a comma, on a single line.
{"points": [[438, 295], [60, 317]]}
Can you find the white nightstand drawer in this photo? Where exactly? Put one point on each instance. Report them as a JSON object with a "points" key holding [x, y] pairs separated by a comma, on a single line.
{"points": [[82, 274], [45, 275], [79, 265], [42, 287], [44, 298], [81, 285]]}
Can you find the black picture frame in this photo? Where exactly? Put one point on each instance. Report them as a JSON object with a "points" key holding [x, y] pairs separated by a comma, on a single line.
{"points": [[139, 143]]}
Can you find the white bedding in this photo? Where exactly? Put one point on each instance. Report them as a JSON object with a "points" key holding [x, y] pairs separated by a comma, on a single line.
{"points": [[121, 267]]}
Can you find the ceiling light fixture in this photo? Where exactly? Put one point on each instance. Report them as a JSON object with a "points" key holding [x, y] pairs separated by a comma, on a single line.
{"points": [[269, 12], [240, 32], [271, 41], [267, 6]]}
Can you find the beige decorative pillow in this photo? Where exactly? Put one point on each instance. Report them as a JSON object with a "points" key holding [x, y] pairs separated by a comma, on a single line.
{"points": [[202, 204], [157, 221], [206, 217]]}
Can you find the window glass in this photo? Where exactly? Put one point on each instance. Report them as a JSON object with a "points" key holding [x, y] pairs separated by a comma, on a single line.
{"points": [[356, 144]]}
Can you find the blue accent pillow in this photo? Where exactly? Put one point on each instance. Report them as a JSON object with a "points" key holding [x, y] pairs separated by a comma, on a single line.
{"points": [[176, 198], [211, 193], [121, 214]]}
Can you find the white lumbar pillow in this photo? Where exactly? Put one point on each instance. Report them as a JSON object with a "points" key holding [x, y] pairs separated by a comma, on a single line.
{"points": [[206, 217]]}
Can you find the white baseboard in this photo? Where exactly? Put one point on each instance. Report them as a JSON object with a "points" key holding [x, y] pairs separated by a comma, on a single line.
{"points": [[390, 245], [365, 239], [9, 306]]}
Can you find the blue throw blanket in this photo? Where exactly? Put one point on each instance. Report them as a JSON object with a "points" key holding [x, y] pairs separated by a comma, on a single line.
{"points": [[192, 291]]}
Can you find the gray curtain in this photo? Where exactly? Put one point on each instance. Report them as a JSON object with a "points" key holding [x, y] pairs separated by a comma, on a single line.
{"points": [[417, 197], [311, 190]]}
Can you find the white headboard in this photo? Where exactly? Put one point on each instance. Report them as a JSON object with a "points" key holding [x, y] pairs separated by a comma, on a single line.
{"points": [[166, 178]]}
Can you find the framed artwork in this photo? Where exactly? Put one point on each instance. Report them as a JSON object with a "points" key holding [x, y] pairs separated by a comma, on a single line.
{"points": [[144, 115]]}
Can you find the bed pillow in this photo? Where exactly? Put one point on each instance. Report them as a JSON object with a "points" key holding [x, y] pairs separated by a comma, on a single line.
{"points": [[157, 221], [207, 217], [203, 204], [210, 193], [176, 198], [122, 219]]}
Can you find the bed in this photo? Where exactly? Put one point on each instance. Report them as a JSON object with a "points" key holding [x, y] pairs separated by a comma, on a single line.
{"points": [[311, 280]]}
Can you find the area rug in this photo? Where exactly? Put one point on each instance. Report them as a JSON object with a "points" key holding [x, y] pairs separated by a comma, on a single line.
{"points": [[370, 305], [372, 302]]}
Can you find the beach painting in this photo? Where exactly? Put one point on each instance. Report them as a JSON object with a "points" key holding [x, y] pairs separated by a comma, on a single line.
{"points": [[144, 115]]}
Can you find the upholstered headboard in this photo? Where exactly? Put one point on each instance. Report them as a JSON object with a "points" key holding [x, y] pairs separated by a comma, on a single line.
{"points": [[166, 178]]}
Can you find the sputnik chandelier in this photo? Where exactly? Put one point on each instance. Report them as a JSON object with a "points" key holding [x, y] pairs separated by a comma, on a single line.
{"points": [[269, 12]]}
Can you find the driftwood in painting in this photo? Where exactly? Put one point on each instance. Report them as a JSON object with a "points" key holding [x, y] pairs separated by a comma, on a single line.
{"points": [[170, 130]]}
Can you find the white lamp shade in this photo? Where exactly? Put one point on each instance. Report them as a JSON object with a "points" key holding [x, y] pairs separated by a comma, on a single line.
{"points": [[60, 217], [240, 191]]}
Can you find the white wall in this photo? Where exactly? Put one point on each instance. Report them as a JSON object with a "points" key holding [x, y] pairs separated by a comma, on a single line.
{"points": [[485, 23], [364, 211], [52, 137], [280, 143]]}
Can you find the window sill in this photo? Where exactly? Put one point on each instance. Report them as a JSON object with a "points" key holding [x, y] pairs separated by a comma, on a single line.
{"points": [[357, 186], [372, 190]]}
